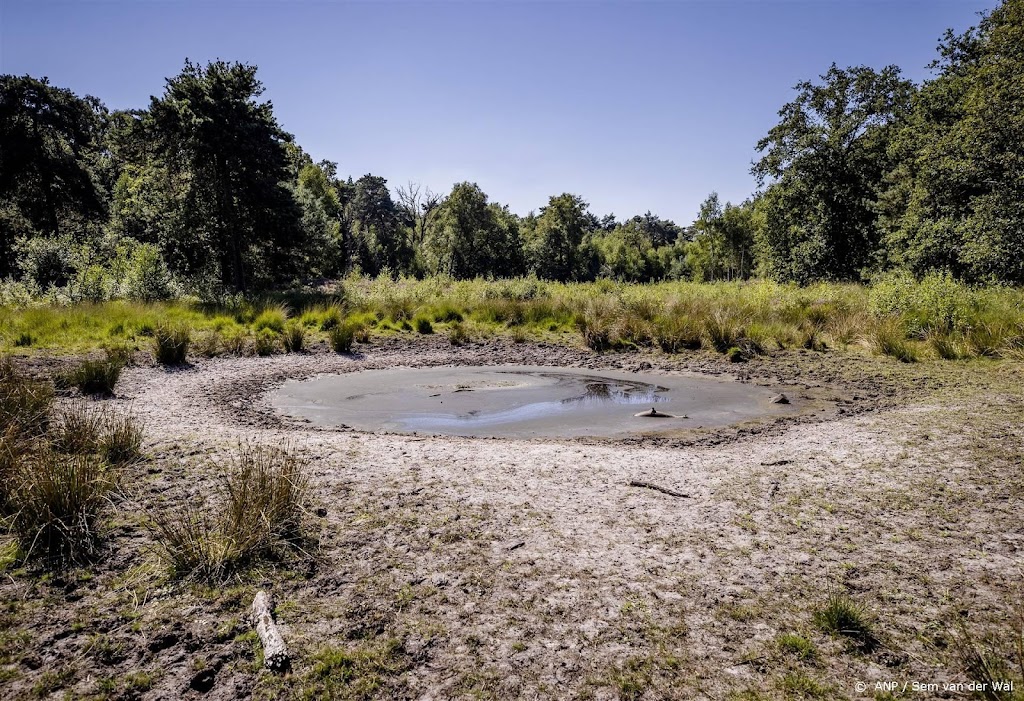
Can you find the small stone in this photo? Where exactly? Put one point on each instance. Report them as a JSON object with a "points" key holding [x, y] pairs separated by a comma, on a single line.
{"points": [[321, 512], [779, 399]]}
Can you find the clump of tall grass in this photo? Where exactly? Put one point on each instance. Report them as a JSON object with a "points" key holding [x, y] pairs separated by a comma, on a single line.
{"points": [[994, 658], [888, 337], [78, 428], [331, 318], [265, 342], [272, 318], [120, 442], [294, 338], [422, 325], [342, 336], [56, 503], [24, 403], [675, 333], [841, 615], [170, 343], [94, 376], [458, 334], [259, 509], [208, 344]]}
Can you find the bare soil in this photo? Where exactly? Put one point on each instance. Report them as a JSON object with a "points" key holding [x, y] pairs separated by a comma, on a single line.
{"points": [[449, 568]]}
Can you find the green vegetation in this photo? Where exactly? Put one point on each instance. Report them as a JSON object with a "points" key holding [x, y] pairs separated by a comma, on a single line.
{"points": [[897, 316], [204, 193], [56, 471], [170, 344], [259, 508], [94, 376], [841, 615]]}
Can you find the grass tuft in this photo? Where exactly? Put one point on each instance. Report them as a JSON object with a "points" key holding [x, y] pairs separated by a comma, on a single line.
{"points": [[260, 507], [170, 343], [841, 615], [294, 338], [95, 376]]}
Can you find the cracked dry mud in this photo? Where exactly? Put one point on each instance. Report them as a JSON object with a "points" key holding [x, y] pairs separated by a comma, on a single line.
{"points": [[465, 568]]}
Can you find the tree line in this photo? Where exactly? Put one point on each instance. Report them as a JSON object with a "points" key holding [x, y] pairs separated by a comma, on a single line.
{"points": [[864, 172]]}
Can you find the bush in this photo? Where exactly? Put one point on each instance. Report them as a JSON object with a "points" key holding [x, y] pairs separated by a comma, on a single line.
{"points": [[260, 507], [294, 338], [677, 333], [94, 376], [59, 500], [170, 344], [265, 342], [145, 275], [457, 334], [331, 318]]}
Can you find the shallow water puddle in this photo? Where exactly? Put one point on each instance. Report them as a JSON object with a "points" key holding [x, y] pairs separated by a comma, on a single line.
{"points": [[521, 401]]}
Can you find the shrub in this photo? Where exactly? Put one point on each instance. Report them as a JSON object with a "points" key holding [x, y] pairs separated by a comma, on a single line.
{"points": [[721, 332], [59, 500], [24, 403], [260, 507], [235, 342], [146, 276], [94, 376], [170, 344], [331, 318], [294, 338], [119, 353], [265, 342], [422, 325]]}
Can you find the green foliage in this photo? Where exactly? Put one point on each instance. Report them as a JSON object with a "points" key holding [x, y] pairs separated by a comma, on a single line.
{"points": [[342, 336], [469, 237], [458, 334], [272, 318], [889, 337], [170, 344], [121, 440], [294, 337], [825, 162], [265, 342], [422, 325]]}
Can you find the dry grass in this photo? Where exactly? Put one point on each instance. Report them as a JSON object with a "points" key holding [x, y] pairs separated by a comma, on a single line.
{"points": [[170, 344], [259, 508]]}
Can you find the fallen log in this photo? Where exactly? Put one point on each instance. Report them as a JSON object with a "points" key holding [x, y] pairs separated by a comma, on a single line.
{"points": [[275, 654], [657, 488]]}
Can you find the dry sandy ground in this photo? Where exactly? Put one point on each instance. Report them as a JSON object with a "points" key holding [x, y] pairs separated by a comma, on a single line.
{"points": [[481, 568]]}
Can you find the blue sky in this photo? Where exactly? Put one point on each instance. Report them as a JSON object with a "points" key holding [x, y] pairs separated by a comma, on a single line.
{"points": [[635, 106]]}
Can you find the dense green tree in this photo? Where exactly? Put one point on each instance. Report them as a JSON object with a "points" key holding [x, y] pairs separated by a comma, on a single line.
{"points": [[49, 162], [472, 237], [558, 238], [723, 241], [825, 162], [225, 151], [378, 238], [956, 196]]}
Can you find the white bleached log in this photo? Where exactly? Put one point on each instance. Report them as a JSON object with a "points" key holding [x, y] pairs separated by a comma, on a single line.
{"points": [[275, 654]]}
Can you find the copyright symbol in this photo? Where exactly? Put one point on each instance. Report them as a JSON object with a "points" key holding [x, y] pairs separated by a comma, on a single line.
{"points": [[861, 686]]}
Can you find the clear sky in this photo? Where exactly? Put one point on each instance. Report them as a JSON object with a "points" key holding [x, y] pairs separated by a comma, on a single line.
{"points": [[634, 106]]}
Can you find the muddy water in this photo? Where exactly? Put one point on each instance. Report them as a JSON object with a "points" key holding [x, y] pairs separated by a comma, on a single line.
{"points": [[520, 401]]}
